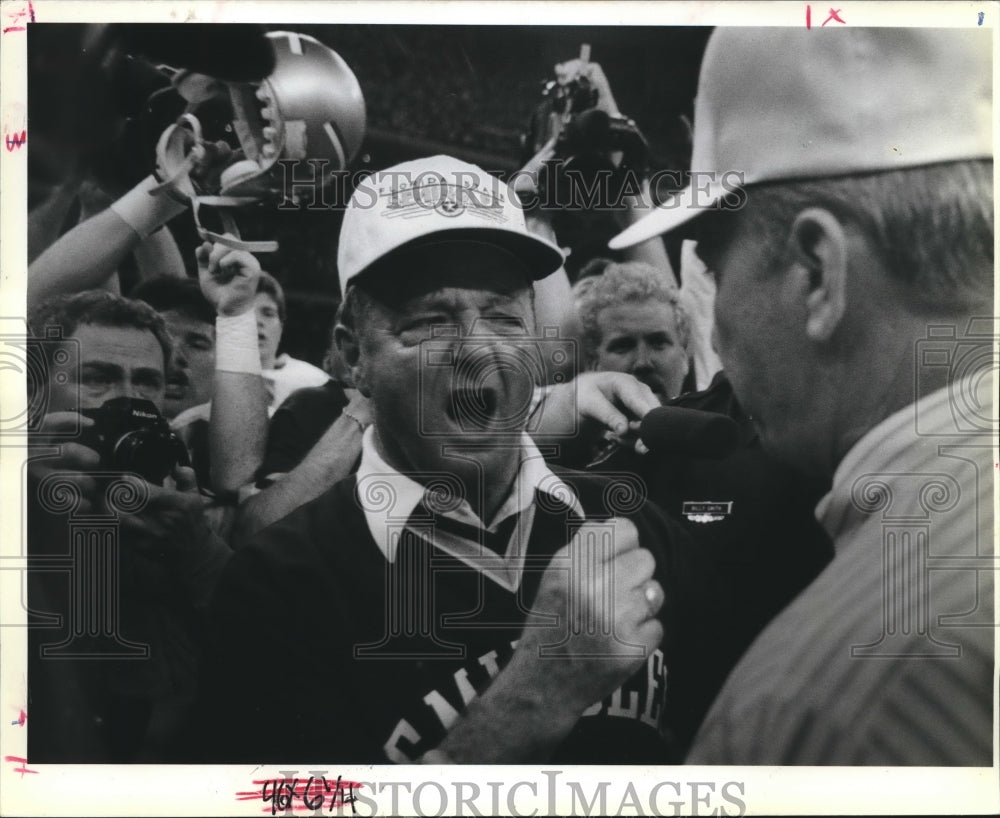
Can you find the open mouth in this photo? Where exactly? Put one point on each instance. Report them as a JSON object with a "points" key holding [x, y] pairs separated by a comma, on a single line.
{"points": [[473, 407], [177, 386]]}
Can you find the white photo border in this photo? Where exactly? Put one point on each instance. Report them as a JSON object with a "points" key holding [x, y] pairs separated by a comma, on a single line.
{"points": [[526, 790]]}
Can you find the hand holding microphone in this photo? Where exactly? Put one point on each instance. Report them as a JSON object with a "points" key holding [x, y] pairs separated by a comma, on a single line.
{"points": [[676, 430], [615, 401], [632, 416]]}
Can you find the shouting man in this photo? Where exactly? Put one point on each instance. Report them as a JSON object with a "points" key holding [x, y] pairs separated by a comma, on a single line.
{"points": [[455, 600]]}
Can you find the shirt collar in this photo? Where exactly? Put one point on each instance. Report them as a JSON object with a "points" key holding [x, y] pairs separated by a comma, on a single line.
{"points": [[882, 448], [389, 497]]}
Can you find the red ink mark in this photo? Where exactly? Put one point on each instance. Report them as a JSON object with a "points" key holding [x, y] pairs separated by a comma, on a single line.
{"points": [[22, 761], [21, 719], [299, 794], [17, 15], [809, 17], [14, 140], [834, 15]]}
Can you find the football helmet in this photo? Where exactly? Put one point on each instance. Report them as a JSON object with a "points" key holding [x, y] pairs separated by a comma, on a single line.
{"points": [[309, 108]]}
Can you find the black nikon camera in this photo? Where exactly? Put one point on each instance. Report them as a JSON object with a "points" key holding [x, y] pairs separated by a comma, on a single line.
{"points": [[132, 436]]}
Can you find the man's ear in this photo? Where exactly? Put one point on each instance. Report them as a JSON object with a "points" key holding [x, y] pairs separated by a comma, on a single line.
{"points": [[349, 347], [818, 248]]}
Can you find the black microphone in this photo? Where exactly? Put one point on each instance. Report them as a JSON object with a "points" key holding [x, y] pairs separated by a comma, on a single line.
{"points": [[235, 52], [675, 430]]}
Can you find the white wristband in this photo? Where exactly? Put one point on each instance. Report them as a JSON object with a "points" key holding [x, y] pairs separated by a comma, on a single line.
{"points": [[147, 212], [236, 343]]}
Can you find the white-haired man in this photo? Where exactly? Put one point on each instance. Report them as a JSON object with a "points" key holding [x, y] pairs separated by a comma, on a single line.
{"points": [[632, 321]]}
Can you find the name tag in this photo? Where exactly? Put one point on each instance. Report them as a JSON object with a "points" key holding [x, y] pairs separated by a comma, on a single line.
{"points": [[706, 511]]}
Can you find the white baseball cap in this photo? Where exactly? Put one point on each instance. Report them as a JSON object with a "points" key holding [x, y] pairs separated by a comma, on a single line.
{"points": [[441, 197], [794, 103]]}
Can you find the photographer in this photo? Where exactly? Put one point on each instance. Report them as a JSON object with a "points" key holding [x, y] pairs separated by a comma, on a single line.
{"points": [[587, 178], [104, 707]]}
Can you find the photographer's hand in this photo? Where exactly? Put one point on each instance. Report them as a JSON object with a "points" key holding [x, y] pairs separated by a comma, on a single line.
{"points": [[568, 71], [73, 461], [172, 520], [171, 527]]}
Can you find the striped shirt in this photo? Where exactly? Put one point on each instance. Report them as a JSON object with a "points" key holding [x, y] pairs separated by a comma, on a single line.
{"points": [[887, 658]]}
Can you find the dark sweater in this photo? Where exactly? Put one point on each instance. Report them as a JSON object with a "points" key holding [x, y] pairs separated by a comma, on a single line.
{"points": [[305, 663]]}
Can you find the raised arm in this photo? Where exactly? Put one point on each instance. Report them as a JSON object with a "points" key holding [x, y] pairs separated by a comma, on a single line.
{"points": [[238, 424], [86, 256]]}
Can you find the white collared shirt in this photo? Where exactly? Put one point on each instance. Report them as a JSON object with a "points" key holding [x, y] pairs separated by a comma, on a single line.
{"points": [[389, 498]]}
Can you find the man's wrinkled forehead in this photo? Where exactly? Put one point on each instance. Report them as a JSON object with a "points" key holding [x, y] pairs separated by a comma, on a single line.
{"points": [[105, 345]]}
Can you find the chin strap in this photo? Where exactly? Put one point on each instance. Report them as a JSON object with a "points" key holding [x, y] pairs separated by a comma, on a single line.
{"points": [[174, 163]]}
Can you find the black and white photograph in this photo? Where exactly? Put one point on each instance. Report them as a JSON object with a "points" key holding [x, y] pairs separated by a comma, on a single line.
{"points": [[472, 409]]}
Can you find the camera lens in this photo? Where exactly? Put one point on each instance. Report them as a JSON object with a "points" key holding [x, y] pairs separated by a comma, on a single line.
{"points": [[150, 453]]}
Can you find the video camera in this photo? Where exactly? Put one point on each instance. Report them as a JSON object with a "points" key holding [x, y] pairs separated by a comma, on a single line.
{"points": [[131, 436], [587, 139]]}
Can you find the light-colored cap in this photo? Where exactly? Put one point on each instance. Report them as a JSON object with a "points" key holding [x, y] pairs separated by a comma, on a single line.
{"points": [[438, 197], [796, 103]]}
